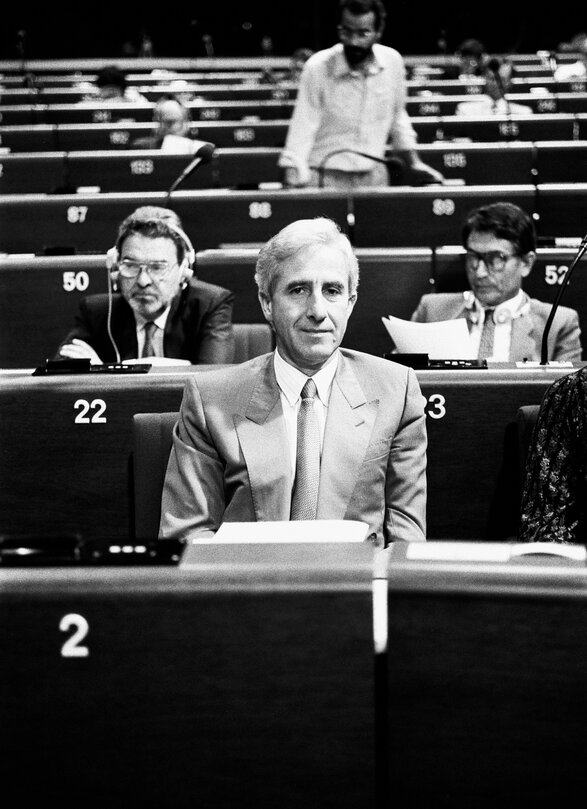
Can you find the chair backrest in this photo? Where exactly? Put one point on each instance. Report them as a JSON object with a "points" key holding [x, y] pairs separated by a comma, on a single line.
{"points": [[251, 340], [526, 420], [151, 440]]}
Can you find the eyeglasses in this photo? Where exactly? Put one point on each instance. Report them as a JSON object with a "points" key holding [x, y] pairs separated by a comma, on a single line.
{"points": [[361, 35], [494, 260], [156, 269]]}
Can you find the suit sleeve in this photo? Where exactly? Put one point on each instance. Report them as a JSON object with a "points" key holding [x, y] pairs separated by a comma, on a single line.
{"points": [[82, 329], [193, 499], [216, 339], [568, 339], [405, 485]]}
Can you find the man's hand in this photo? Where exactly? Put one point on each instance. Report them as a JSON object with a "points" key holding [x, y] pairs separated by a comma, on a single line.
{"points": [[80, 350], [420, 173]]}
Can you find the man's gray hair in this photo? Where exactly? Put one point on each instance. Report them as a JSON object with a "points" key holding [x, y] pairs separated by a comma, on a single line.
{"points": [[301, 235]]}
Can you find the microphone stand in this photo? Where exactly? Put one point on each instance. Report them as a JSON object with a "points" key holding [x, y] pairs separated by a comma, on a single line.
{"points": [[202, 155], [322, 166], [566, 279]]}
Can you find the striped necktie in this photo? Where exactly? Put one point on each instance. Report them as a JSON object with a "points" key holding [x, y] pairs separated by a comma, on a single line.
{"points": [[305, 491], [486, 343], [149, 348]]}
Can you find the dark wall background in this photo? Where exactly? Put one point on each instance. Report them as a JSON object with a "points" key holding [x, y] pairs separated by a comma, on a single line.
{"points": [[108, 29]]}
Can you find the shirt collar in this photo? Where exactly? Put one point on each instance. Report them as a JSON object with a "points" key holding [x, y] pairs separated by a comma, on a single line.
{"points": [[512, 305], [159, 321], [291, 381]]}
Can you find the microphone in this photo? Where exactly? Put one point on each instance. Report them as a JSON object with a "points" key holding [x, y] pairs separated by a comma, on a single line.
{"points": [[559, 294], [203, 154]]}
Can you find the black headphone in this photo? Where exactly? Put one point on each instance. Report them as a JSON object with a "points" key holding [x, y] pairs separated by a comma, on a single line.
{"points": [[112, 257]]}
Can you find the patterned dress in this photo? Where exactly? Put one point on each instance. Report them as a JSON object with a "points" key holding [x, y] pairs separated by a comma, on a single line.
{"points": [[554, 498]]}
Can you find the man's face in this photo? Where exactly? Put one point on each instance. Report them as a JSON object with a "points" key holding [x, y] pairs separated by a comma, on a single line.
{"points": [[146, 295], [310, 306], [171, 119], [497, 277], [358, 34]]}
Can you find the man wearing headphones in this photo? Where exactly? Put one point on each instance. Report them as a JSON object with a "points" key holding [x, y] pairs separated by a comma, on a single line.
{"points": [[154, 306], [505, 324]]}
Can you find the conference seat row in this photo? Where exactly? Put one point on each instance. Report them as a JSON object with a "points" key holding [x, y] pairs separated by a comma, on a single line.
{"points": [[67, 444], [36, 136], [143, 69], [43, 111], [251, 167], [39, 296], [237, 90], [385, 217]]}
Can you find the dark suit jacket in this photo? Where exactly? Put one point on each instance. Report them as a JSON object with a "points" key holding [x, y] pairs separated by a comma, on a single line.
{"points": [[230, 460], [198, 328]]}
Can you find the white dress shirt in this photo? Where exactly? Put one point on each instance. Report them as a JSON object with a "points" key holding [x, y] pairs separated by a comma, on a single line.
{"points": [[291, 381], [157, 336], [340, 107], [503, 316]]}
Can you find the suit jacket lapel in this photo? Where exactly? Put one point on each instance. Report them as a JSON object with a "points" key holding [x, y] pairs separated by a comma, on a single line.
{"points": [[349, 426], [124, 330], [263, 439], [523, 343]]}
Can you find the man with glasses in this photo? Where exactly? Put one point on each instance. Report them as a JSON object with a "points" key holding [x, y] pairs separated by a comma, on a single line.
{"points": [[154, 306], [505, 324], [351, 98]]}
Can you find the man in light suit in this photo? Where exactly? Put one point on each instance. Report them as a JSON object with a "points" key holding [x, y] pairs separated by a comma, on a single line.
{"points": [[234, 448], [500, 241]]}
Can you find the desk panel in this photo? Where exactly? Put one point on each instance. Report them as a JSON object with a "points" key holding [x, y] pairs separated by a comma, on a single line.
{"points": [[562, 126], [59, 475], [37, 173], [78, 137], [425, 217], [562, 210], [96, 112], [486, 668], [84, 223], [38, 300], [480, 163], [562, 162], [219, 688]]}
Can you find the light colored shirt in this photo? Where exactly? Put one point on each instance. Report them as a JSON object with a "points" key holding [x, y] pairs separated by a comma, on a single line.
{"points": [[157, 336], [503, 316], [291, 381], [576, 70], [340, 107], [485, 105]]}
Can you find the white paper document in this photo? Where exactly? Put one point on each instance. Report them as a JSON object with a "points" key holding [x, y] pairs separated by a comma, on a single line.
{"points": [[286, 531], [445, 339]]}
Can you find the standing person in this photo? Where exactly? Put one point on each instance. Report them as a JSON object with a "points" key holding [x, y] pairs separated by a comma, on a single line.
{"points": [[236, 447], [161, 310], [505, 324], [352, 97]]}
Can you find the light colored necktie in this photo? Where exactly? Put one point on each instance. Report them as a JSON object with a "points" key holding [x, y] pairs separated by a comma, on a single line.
{"points": [[305, 491], [149, 348], [486, 343]]}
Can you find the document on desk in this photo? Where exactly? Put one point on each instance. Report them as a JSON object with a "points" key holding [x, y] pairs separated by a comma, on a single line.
{"points": [[290, 531], [441, 340]]}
